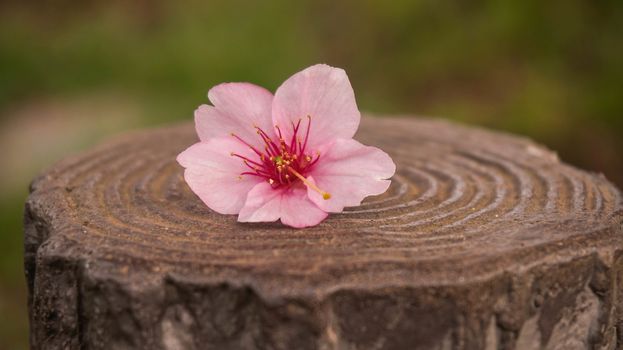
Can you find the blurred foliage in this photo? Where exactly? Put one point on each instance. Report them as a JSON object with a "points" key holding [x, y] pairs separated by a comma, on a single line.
{"points": [[550, 70]]}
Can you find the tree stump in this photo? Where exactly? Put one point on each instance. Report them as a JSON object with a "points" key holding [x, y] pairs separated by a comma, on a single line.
{"points": [[483, 241]]}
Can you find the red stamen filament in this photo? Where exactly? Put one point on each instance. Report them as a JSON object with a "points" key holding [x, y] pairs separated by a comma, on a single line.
{"points": [[281, 158]]}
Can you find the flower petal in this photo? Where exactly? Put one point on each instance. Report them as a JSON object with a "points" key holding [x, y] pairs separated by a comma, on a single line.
{"points": [[238, 108], [297, 210], [290, 204], [213, 174], [323, 93], [263, 204], [349, 171]]}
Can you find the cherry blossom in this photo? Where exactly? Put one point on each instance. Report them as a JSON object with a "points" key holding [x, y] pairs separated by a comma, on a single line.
{"points": [[288, 157]]}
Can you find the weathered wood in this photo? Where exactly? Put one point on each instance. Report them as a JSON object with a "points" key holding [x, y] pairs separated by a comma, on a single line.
{"points": [[483, 241]]}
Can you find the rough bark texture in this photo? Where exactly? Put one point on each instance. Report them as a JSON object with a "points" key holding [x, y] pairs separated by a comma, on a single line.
{"points": [[483, 241]]}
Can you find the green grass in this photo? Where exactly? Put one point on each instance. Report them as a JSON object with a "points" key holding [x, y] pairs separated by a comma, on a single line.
{"points": [[13, 324]]}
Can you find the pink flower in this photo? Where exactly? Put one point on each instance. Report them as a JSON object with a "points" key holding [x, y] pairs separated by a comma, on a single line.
{"points": [[288, 157]]}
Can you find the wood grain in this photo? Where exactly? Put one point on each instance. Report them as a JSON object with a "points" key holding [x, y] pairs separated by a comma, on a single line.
{"points": [[484, 240]]}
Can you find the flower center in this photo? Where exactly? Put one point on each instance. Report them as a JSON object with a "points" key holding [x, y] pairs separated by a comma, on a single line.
{"points": [[281, 162]]}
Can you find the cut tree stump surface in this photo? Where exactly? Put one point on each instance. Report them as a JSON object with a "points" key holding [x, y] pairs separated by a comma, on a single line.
{"points": [[483, 241]]}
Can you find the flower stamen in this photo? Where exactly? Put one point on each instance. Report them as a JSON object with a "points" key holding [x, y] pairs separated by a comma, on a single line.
{"points": [[325, 195], [281, 158], [248, 145]]}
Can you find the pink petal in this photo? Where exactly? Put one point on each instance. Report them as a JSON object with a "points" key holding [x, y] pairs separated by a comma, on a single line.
{"points": [[290, 204], [297, 210], [349, 171], [213, 174], [325, 94], [238, 107], [263, 204]]}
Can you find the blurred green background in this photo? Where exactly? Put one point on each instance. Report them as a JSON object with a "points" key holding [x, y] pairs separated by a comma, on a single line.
{"points": [[73, 72]]}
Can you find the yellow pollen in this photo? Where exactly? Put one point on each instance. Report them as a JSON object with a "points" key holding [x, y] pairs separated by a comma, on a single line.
{"points": [[325, 195]]}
